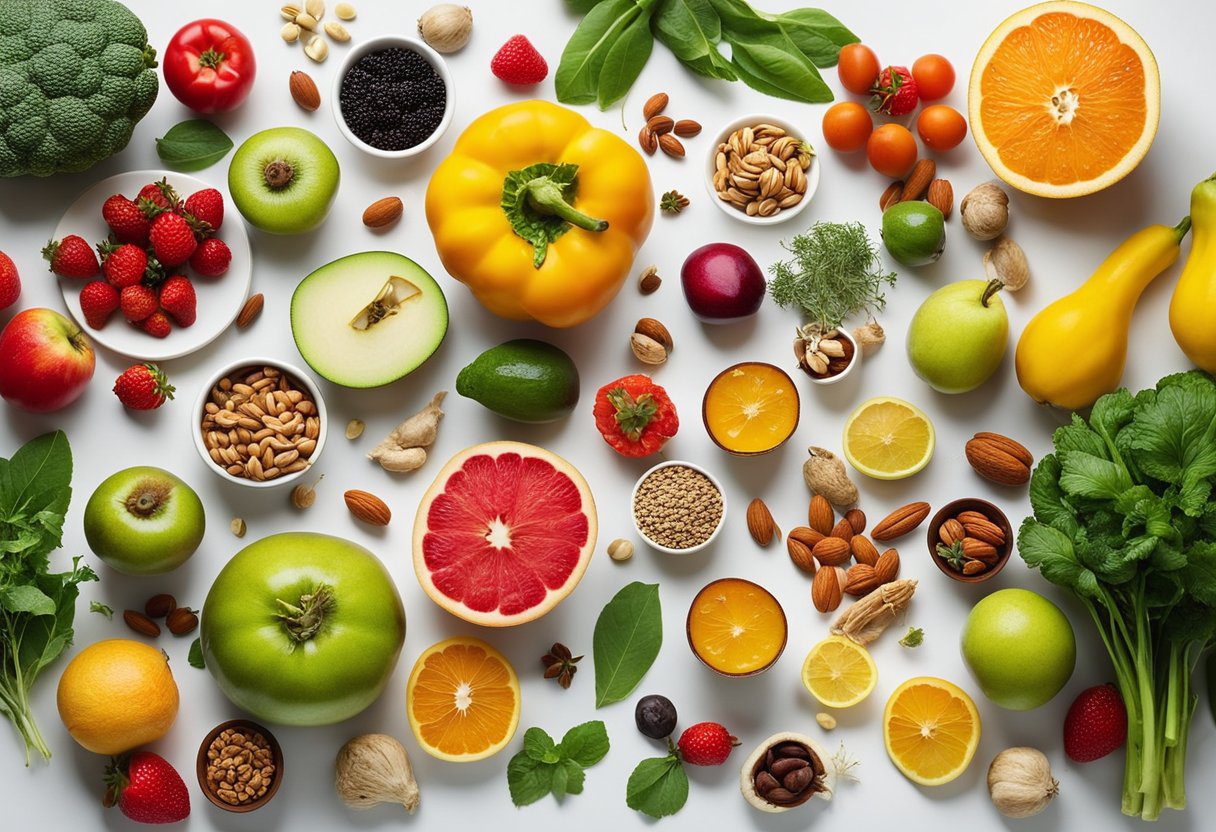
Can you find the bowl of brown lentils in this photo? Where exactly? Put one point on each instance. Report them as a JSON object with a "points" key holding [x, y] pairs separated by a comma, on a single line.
{"points": [[239, 765], [678, 507]]}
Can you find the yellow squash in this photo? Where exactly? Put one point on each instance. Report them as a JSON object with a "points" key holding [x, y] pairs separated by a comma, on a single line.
{"points": [[539, 213], [1193, 308], [1073, 351]]}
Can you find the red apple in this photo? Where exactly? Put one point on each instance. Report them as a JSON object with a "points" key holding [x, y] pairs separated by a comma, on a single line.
{"points": [[45, 361], [722, 283]]}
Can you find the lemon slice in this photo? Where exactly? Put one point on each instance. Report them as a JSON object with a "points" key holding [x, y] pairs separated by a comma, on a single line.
{"points": [[888, 439], [931, 730], [839, 672]]}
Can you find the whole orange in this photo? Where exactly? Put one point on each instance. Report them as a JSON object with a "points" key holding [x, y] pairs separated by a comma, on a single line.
{"points": [[117, 695]]}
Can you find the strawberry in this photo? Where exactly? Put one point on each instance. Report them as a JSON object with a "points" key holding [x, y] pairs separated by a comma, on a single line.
{"points": [[207, 206], [156, 197], [123, 265], [137, 302], [635, 415], [706, 744], [143, 387], [10, 282], [146, 788], [211, 258], [894, 92], [1096, 724], [172, 239], [157, 325], [128, 223], [178, 300], [98, 300], [71, 257], [518, 62]]}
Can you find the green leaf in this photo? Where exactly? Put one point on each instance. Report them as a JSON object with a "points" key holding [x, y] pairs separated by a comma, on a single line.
{"points": [[658, 787], [583, 6], [558, 778], [584, 744], [578, 72], [527, 779], [26, 598], [816, 33], [691, 30], [625, 60], [1199, 575], [1173, 438], [628, 635], [540, 746], [765, 57], [193, 145], [575, 776], [101, 609], [1086, 475], [1047, 499], [1051, 552], [196, 654]]}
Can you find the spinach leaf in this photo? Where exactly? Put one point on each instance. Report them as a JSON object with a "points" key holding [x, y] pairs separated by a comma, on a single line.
{"points": [[625, 59], [692, 31], [816, 33], [578, 72], [658, 787], [765, 58], [628, 635], [193, 145]]}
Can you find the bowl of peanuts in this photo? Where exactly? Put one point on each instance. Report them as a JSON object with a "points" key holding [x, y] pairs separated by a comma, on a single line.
{"points": [[239, 765], [761, 170], [260, 423]]}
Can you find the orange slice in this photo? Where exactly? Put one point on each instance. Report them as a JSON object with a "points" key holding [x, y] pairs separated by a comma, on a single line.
{"points": [[736, 627], [931, 729], [1064, 99], [463, 700], [750, 408]]}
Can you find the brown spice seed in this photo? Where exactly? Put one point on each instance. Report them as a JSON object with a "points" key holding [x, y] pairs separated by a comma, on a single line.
{"points": [[677, 507]]}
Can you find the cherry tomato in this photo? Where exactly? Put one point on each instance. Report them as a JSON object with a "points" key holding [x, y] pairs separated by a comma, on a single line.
{"points": [[934, 76], [209, 66], [891, 150], [846, 126], [940, 127], [857, 67]]}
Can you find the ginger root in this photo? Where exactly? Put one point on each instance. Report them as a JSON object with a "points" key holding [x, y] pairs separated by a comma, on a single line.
{"points": [[372, 769], [405, 448]]}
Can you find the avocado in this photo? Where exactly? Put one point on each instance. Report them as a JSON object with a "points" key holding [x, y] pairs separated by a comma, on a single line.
{"points": [[524, 380]]}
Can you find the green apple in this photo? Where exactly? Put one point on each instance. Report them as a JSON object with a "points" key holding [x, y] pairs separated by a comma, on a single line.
{"points": [[914, 232], [283, 180], [1019, 647], [958, 336], [368, 319], [144, 521]]}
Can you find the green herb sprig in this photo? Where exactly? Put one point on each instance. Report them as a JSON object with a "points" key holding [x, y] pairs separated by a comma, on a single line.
{"points": [[102, 609], [658, 787], [835, 272], [545, 767]]}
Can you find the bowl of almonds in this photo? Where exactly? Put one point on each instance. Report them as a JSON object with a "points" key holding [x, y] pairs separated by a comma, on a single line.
{"points": [[970, 540], [260, 423], [761, 171]]}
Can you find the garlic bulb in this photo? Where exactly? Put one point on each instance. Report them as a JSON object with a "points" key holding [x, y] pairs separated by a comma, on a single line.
{"points": [[446, 27], [1020, 782], [372, 769]]}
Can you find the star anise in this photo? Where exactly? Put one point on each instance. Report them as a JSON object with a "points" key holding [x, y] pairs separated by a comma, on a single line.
{"points": [[673, 202], [560, 664]]}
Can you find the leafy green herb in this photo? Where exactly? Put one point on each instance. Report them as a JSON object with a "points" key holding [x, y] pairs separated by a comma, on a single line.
{"points": [[195, 658], [816, 33], [628, 635], [101, 609], [543, 767], [835, 272], [36, 605], [765, 57], [915, 637], [691, 30], [658, 787], [193, 145], [625, 59], [577, 79], [1123, 518], [536, 202]]}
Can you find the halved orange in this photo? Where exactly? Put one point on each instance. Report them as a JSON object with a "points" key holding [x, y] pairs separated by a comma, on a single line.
{"points": [[736, 627], [1064, 99], [463, 700], [931, 729], [750, 408]]}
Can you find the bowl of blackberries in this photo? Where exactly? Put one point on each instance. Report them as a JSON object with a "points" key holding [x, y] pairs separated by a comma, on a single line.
{"points": [[393, 96]]}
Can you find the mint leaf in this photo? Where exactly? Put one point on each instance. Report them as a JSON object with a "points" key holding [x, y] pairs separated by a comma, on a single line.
{"points": [[584, 744], [539, 746], [575, 776], [528, 780], [193, 145], [541, 767], [628, 635], [196, 655], [559, 774], [658, 787], [101, 609]]}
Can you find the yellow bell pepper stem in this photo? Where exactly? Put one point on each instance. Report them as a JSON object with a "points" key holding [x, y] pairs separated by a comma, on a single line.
{"points": [[545, 197]]}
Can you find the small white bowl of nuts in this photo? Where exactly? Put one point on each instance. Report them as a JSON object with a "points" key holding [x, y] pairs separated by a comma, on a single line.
{"points": [[760, 170], [678, 507], [260, 423]]}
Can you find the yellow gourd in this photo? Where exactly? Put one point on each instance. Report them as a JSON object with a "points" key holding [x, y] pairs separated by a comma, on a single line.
{"points": [[1193, 308], [1074, 350]]}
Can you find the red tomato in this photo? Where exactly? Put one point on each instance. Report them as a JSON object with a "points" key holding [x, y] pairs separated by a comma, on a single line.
{"points": [[209, 66], [891, 150], [934, 77], [941, 127], [846, 126], [857, 67]]}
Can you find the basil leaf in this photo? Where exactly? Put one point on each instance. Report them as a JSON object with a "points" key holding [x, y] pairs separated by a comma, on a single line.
{"points": [[193, 145], [658, 787], [584, 744], [816, 33], [625, 60], [628, 635], [578, 72], [765, 58], [527, 779], [692, 31], [196, 654]]}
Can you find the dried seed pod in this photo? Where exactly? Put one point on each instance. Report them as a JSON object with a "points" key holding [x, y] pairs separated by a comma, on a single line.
{"points": [[354, 428], [1007, 263], [446, 28]]}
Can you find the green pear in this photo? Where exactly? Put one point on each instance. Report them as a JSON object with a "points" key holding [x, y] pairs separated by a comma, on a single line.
{"points": [[958, 336]]}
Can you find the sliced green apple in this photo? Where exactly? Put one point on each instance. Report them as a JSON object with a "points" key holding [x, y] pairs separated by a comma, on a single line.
{"points": [[368, 319]]}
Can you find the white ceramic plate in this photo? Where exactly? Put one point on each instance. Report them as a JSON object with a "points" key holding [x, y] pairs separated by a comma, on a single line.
{"points": [[219, 298]]}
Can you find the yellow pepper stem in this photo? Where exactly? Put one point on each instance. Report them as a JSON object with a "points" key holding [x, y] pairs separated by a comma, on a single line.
{"points": [[546, 197]]}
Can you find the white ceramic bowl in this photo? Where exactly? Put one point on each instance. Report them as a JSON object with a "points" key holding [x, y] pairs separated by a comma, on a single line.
{"points": [[852, 364], [666, 549], [204, 396], [812, 173], [375, 45]]}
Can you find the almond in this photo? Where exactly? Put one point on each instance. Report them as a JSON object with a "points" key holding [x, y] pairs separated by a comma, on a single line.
{"points": [[941, 196], [367, 507], [686, 128], [140, 623], [999, 459], [974, 567], [979, 550], [861, 580], [654, 105], [760, 523], [918, 180], [383, 212], [825, 590], [250, 311], [648, 141], [806, 536], [985, 531], [891, 195], [820, 516], [181, 621], [647, 350], [863, 550], [158, 606], [901, 521], [649, 280], [304, 90], [654, 329], [672, 146], [887, 568], [971, 517], [857, 519], [843, 530], [660, 125], [951, 531], [832, 551], [801, 555]]}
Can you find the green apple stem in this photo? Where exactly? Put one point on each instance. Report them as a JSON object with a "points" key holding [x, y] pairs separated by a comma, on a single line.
{"points": [[991, 289], [278, 174], [304, 620]]}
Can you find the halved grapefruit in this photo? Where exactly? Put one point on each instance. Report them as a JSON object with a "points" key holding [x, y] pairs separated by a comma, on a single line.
{"points": [[504, 533], [1064, 99]]}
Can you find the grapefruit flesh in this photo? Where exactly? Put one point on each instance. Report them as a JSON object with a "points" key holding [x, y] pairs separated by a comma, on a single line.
{"points": [[504, 533]]}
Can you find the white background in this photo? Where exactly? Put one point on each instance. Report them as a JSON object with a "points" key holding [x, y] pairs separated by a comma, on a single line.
{"points": [[1064, 241]]}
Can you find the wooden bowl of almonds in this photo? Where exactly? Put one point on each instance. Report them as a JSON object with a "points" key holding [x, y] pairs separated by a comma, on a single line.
{"points": [[260, 423], [970, 540], [761, 170], [239, 766]]}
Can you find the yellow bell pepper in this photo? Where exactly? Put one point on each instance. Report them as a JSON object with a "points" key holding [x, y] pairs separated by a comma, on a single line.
{"points": [[539, 213]]}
